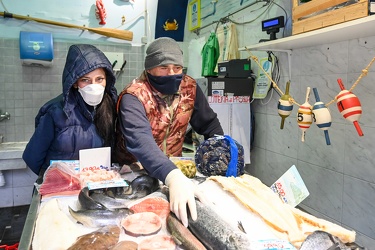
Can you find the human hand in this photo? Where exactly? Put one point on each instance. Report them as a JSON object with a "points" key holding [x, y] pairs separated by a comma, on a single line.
{"points": [[182, 192]]}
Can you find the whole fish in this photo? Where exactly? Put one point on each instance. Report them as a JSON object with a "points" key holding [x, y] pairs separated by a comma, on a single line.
{"points": [[99, 218], [181, 235], [110, 202], [320, 240], [140, 187], [87, 202], [117, 197], [215, 233], [103, 238]]}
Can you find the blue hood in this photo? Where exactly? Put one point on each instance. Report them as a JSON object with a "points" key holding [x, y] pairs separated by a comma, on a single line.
{"points": [[82, 59]]}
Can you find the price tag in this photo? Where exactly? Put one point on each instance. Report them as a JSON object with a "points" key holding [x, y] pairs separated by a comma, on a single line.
{"points": [[290, 187]]}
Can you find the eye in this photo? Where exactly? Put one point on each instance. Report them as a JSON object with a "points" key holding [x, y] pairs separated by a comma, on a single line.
{"points": [[100, 79], [177, 69], [85, 80]]}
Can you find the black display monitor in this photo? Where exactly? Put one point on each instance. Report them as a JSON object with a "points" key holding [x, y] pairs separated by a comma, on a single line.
{"points": [[272, 26]]}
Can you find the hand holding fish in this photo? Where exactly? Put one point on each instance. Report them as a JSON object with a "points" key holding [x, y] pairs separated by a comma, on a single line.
{"points": [[182, 193]]}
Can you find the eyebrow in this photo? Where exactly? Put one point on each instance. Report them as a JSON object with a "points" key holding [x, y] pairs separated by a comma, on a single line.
{"points": [[100, 75]]}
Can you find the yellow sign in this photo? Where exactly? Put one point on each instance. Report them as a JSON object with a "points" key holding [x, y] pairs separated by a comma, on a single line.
{"points": [[194, 13]]}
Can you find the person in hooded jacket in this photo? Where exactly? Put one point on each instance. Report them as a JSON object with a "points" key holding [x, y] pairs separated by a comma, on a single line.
{"points": [[154, 113], [82, 117]]}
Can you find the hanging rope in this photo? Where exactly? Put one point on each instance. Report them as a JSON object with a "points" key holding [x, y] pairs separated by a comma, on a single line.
{"points": [[291, 99], [364, 73]]}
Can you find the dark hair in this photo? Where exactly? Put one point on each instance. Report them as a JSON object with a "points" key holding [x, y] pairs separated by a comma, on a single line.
{"points": [[105, 120]]}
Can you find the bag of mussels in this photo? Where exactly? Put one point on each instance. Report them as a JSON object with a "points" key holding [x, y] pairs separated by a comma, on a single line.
{"points": [[220, 155]]}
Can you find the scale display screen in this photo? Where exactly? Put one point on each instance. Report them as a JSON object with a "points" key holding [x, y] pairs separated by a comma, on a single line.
{"points": [[273, 23]]}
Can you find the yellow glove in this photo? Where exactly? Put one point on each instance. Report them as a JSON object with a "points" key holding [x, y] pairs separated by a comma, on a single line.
{"points": [[182, 192]]}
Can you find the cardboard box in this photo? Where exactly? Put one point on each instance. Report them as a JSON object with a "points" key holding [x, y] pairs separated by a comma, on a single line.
{"points": [[318, 14], [230, 86]]}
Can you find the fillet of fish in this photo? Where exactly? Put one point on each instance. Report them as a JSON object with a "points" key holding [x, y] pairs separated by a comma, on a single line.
{"points": [[53, 224], [287, 222]]}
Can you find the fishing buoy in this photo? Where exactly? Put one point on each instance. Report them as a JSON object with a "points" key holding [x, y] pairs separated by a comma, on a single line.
{"points": [[349, 106], [321, 116], [304, 115], [284, 106]]}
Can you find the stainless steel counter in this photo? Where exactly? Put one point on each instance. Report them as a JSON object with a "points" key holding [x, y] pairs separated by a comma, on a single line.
{"points": [[28, 229]]}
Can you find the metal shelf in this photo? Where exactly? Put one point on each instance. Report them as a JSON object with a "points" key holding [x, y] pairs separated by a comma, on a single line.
{"points": [[358, 28]]}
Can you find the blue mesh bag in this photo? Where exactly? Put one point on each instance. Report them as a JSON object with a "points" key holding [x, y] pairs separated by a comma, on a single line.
{"points": [[220, 155]]}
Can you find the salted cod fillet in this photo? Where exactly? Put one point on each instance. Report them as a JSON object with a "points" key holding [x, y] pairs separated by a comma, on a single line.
{"points": [[288, 223], [54, 230]]}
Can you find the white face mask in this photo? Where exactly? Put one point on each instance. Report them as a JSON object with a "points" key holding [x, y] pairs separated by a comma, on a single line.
{"points": [[92, 94]]}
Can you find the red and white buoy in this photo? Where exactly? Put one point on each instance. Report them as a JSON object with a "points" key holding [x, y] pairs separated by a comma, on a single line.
{"points": [[304, 115], [349, 106]]}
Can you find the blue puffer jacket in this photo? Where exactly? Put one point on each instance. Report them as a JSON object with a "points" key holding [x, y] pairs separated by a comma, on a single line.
{"points": [[64, 125]]}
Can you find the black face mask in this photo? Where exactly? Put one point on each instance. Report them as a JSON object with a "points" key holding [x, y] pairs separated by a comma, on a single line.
{"points": [[167, 85]]}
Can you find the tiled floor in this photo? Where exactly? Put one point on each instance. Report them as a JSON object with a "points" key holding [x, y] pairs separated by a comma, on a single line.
{"points": [[12, 220]]}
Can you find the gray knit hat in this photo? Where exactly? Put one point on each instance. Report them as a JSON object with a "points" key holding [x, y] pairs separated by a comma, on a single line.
{"points": [[163, 51]]}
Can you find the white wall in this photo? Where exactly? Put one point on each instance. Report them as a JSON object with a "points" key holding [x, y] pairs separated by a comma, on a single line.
{"points": [[81, 13], [339, 177]]}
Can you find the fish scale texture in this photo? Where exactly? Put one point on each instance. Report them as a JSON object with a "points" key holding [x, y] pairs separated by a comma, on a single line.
{"points": [[214, 233]]}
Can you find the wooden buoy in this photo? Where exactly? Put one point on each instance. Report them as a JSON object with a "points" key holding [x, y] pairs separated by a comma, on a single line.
{"points": [[322, 116], [304, 115], [284, 106], [349, 106]]}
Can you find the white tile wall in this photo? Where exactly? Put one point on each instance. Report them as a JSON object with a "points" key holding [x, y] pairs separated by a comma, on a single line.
{"points": [[341, 176], [18, 187]]}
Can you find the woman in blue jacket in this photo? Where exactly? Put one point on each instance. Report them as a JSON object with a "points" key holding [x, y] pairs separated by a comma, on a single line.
{"points": [[82, 117]]}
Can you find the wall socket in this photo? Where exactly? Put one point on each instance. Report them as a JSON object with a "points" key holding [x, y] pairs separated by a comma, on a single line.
{"points": [[116, 59]]}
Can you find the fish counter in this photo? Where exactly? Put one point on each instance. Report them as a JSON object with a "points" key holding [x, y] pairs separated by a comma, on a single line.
{"points": [[28, 228], [240, 213]]}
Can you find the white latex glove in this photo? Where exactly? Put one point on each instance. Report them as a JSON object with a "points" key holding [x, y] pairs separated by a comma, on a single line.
{"points": [[181, 193]]}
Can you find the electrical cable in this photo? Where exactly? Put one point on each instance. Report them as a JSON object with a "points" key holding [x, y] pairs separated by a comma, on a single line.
{"points": [[5, 9], [268, 4], [275, 73], [225, 19], [286, 16]]}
